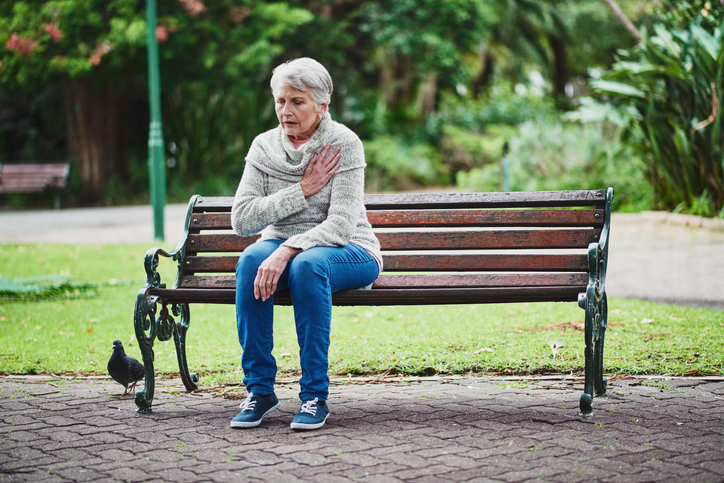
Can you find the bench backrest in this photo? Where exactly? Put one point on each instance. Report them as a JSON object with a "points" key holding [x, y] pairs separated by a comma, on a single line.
{"points": [[30, 178], [455, 239]]}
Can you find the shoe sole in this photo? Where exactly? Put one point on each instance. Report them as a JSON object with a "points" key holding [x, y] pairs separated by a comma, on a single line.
{"points": [[307, 427], [253, 424]]}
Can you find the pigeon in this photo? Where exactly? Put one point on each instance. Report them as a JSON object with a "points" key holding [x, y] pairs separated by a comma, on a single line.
{"points": [[123, 369]]}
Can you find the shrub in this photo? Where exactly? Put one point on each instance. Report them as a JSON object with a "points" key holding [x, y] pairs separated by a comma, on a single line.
{"points": [[669, 92], [565, 156], [393, 165]]}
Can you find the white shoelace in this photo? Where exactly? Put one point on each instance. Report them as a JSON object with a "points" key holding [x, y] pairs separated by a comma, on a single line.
{"points": [[248, 404], [310, 407]]}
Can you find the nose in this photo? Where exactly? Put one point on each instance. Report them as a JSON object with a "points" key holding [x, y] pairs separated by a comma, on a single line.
{"points": [[285, 109]]}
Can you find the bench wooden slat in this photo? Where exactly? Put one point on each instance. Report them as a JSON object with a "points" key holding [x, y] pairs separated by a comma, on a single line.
{"points": [[431, 240], [219, 243], [395, 296], [487, 240], [210, 221], [516, 199], [485, 200], [486, 262], [431, 263], [444, 218], [486, 218], [423, 281]]}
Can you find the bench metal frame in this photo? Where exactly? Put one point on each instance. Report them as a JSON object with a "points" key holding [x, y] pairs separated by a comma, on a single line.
{"points": [[455, 248]]}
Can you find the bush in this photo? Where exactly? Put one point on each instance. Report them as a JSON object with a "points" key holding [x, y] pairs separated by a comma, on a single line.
{"points": [[500, 106], [462, 150], [564, 156], [394, 165], [668, 93]]}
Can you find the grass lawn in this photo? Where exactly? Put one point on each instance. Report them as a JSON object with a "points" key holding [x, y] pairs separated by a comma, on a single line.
{"points": [[74, 335]]}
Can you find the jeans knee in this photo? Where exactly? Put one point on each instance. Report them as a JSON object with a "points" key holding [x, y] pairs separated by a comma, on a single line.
{"points": [[252, 257], [305, 268], [247, 265]]}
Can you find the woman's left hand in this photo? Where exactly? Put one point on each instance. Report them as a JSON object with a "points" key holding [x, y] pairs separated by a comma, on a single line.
{"points": [[267, 276]]}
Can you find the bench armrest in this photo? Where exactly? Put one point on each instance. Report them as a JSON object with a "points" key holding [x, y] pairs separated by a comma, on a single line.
{"points": [[598, 258], [153, 278]]}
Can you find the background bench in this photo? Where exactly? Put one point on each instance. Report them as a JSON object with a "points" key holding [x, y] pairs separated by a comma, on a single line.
{"points": [[34, 178], [455, 248]]}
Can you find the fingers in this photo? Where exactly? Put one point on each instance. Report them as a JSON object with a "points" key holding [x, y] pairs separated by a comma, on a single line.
{"points": [[333, 158], [265, 284], [320, 170], [268, 274]]}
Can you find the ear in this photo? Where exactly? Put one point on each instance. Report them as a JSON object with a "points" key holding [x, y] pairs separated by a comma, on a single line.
{"points": [[323, 109]]}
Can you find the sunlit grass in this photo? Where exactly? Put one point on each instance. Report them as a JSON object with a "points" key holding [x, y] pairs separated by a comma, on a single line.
{"points": [[75, 335]]}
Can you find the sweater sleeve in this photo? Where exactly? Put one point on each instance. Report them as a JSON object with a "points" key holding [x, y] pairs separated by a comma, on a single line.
{"points": [[346, 200], [253, 210]]}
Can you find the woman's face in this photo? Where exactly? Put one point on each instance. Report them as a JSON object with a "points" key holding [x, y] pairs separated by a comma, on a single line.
{"points": [[297, 112]]}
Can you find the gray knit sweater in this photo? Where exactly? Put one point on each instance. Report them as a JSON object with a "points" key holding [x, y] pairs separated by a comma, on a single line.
{"points": [[270, 200]]}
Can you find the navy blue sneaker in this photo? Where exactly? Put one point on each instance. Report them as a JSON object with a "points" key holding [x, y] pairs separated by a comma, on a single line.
{"points": [[253, 410], [312, 415]]}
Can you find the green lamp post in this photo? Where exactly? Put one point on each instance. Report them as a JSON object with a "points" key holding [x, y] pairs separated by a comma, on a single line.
{"points": [[156, 169]]}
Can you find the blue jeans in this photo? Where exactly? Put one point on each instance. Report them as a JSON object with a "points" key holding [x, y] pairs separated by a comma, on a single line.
{"points": [[311, 277]]}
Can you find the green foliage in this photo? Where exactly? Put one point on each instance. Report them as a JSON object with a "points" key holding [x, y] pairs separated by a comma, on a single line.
{"points": [[597, 34], [562, 156], [680, 13], [432, 73], [394, 164], [463, 150], [669, 95], [501, 105], [50, 287]]}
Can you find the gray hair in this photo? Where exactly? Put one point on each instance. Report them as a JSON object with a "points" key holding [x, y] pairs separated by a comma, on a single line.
{"points": [[304, 74]]}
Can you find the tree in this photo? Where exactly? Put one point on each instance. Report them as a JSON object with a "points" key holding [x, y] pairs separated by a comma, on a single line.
{"points": [[96, 50]]}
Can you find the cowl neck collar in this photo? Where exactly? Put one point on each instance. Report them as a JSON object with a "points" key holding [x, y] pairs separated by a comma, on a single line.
{"points": [[274, 153]]}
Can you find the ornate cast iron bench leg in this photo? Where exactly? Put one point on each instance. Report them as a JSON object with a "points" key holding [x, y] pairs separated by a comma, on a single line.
{"points": [[161, 325], [596, 317], [598, 379], [190, 380], [144, 320]]}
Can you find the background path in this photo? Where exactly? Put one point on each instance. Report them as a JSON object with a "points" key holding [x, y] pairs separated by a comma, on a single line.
{"points": [[653, 256]]}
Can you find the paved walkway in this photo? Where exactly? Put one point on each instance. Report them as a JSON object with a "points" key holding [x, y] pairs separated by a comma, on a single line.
{"points": [[436, 430]]}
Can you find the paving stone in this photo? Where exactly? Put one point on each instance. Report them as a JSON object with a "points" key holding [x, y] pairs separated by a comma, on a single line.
{"points": [[377, 433]]}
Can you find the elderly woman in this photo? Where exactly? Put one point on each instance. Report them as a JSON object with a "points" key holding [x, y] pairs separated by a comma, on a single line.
{"points": [[302, 189]]}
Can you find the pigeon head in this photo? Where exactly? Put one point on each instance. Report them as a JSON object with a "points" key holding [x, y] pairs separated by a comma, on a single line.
{"points": [[118, 345]]}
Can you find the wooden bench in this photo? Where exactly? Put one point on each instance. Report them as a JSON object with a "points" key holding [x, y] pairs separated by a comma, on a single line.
{"points": [[470, 248], [34, 178]]}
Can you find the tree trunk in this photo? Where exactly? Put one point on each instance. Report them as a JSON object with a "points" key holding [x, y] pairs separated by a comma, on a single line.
{"points": [[96, 130], [482, 80], [560, 60]]}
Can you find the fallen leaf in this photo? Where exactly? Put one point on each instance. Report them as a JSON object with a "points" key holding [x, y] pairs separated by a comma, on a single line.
{"points": [[646, 321], [484, 349]]}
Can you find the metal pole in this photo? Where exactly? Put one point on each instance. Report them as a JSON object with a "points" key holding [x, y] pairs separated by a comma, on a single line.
{"points": [[156, 168]]}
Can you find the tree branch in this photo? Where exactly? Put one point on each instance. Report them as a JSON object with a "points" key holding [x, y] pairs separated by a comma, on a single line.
{"points": [[623, 18]]}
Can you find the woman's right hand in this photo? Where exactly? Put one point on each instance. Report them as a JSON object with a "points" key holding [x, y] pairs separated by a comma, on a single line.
{"points": [[320, 170]]}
